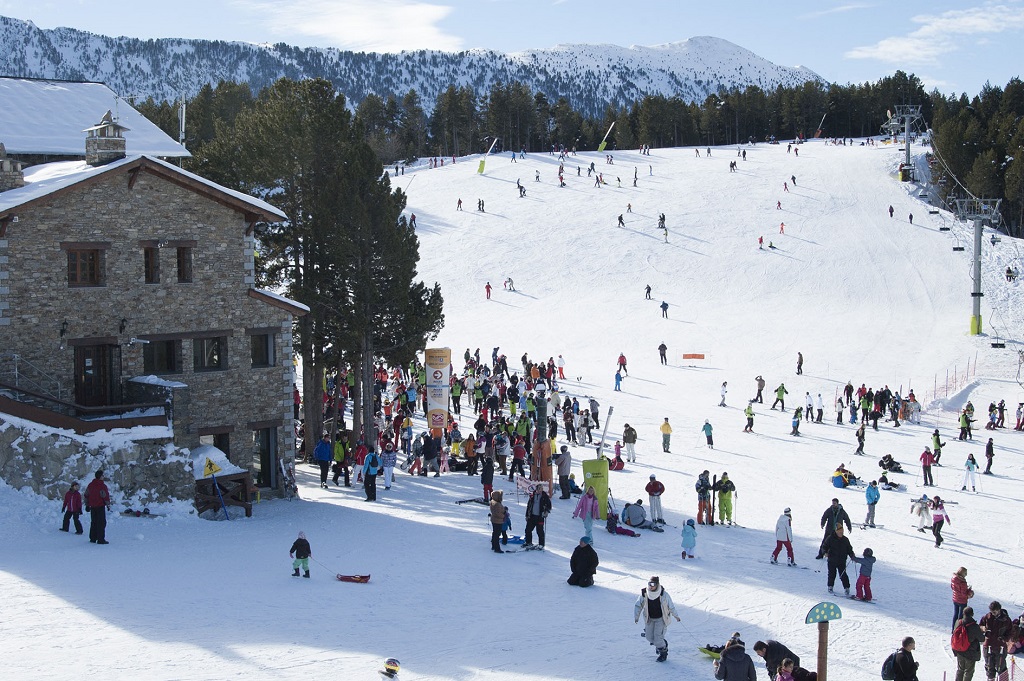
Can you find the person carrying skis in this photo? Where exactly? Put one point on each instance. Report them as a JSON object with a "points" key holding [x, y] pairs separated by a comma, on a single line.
{"points": [[939, 518], [703, 487], [834, 516], [656, 606], [780, 396], [301, 553], [654, 491], [784, 537], [838, 548], [725, 489]]}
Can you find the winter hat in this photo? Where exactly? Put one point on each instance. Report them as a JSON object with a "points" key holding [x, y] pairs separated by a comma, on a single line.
{"points": [[654, 580], [787, 510], [868, 552], [652, 476], [587, 540], [706, 421], [725, 475], [99, 474], [690, 522], [302, 535]]}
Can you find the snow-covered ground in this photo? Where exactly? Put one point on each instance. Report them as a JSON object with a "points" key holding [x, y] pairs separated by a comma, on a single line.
{"points": [[864, 297]]}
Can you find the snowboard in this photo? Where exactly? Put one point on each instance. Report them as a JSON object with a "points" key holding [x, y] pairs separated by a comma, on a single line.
{"points": [[144, 513], [291, 489], [358, 579], [523, 549], [710, 653], [801, 567]]}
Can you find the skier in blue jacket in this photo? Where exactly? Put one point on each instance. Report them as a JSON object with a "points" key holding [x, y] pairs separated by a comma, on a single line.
{"points": [[371, 466], [872, 495]]}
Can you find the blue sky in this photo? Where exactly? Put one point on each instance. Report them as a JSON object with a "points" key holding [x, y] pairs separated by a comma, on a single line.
{"points": [[954, 46]]}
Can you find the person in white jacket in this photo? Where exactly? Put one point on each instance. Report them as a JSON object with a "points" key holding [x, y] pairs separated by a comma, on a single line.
{"points": [[808, 407], [656, 606], [784, 536], [820, 405], [724, 390]]}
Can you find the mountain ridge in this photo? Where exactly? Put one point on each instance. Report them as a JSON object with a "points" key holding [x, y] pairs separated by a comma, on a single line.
{"points": [[590, 77]]}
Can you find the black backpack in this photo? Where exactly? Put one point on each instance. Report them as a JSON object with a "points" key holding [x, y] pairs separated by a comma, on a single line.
{"points": [[889, 666]]}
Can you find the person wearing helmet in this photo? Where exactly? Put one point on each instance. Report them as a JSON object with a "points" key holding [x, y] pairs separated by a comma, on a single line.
{"points": [[654, 491], [391, 669]]}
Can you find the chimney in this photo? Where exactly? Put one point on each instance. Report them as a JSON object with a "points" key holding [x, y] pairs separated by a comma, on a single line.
{"points": [[11, 176], [105, 141]]}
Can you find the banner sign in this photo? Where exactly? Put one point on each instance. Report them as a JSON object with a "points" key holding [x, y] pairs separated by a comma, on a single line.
{"points": [[595, 474], [438, 362]]}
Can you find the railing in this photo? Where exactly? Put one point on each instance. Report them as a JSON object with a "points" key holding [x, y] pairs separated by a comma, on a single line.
{"points": [[17, 374], [79, 418]]}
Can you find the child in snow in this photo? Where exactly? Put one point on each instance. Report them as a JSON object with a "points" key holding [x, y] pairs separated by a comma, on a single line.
{"points": [[689, 538], [612, 525], [301, 552], [866, 563], [707, 430], [72, 509], [587, 509]]}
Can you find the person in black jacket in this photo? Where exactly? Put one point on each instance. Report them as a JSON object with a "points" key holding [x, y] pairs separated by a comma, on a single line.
{"points": [[838, 549], [997, 627], [583, 564], [773, 654], [904, 668], [966, 659], [834, 516], [735, 664], [537, 509], [301, 551]]}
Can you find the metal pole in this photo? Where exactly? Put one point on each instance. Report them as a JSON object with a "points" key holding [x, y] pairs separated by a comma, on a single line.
{"points": [[976, 291], [906, 139]]}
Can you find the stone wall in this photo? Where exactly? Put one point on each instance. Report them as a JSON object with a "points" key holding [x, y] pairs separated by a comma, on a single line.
{"points": [[138, 473], [159, 213]]}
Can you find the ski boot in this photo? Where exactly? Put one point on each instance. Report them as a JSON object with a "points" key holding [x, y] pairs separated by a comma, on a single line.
{"points": [[830, 590], [792, 563], [774, 560], [295, 573], [306, 575], [663, 653], [847, 591]]}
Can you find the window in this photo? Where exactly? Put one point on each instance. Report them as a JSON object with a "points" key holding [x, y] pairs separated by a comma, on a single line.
{"points": [[184, 264], [262, 350], [85, 267], [151, 262], [210, 354], [162, 357], [266, 457]]}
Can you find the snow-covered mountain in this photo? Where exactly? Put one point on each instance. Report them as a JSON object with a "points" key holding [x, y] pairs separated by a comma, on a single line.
{"points": [[588, 76]]}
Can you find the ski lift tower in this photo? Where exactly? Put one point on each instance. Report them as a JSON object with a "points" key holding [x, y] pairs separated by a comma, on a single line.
{"points": [[902, 120], [978, 211]]}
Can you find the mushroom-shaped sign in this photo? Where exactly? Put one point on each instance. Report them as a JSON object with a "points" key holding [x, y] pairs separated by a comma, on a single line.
{"points": [[823, 612]]}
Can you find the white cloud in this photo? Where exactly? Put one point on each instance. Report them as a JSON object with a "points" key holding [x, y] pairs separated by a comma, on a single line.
{"points": [[842, 9], [360, 25], [941, 34]]}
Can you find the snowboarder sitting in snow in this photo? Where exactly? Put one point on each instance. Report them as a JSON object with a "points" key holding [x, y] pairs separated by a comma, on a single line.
{"points": [[634, 515], [612, 525], [301, 552], [573, 487], [884, 483], [887, 463]]}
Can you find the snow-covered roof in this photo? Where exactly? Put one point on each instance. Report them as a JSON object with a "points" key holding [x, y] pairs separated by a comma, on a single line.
{"points": [[49, 117], [47, 178], [157, 381], [203, 452], [271, 297]]}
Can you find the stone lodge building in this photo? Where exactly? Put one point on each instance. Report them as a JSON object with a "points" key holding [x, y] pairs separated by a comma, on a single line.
{"points": [[125, 280]]}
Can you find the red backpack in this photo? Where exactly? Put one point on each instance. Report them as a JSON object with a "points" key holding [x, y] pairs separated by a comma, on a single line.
{"points": [[959, 641]]}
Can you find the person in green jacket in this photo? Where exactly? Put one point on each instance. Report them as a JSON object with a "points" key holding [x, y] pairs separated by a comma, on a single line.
{"points": [[457, 397], [749, 413], [780, 396], [937, 445], [725, 489]]}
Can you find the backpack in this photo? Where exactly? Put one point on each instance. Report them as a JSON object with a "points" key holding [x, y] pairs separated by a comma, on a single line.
{"points": [[959, 641], [888, 667]]}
